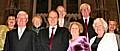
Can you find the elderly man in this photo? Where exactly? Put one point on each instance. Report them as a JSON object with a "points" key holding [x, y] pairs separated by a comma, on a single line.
{"points": [[19, 39], [86, 21]]}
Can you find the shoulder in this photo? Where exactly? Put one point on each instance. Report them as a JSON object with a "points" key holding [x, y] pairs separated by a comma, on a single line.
{"points": [[63, 28], [92, 40], [44, 29], [109, 34]]}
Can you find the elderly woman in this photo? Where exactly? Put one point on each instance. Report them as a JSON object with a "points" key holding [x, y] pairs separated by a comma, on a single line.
{"points": [[37, 22], [103, 41], [77, 43]]}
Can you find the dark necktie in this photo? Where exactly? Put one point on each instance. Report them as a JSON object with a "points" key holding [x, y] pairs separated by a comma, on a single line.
{"points": [[51, 38], [86, 27]]}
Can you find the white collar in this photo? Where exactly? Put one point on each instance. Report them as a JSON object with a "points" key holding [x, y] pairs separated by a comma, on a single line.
{"points": [[22, 27], [86, 18], [55, 27]]}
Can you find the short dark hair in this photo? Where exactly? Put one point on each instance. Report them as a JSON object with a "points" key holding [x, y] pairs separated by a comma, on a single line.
{"points": [[53, 11]]}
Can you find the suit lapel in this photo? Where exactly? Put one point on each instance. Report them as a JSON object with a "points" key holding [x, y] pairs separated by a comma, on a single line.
{"points": [[16, 34], [90, 22], [82, 22], [56, 32], [24, 33]]}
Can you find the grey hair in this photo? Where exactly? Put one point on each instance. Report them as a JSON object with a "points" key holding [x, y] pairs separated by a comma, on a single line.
{"points": [[22, 12], [105, 25]]}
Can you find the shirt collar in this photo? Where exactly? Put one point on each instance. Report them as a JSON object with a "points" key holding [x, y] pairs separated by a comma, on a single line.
{"points": [[55, 27], [86, 18], [22, 27]]}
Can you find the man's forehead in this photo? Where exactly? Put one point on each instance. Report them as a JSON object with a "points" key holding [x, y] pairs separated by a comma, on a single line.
{"points": [[52, 13]]}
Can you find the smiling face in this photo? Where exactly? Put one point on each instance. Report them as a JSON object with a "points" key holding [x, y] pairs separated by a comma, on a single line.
{"points": [[112, 26], [22, 19], [75, 30], [85, 10], [52, 18], [11, 21], [36, 22], [99, 28]]}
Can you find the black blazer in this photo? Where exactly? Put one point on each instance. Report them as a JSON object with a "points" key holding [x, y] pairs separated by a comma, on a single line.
{"points": [[91, 32], [12, 42], [60, 40]]}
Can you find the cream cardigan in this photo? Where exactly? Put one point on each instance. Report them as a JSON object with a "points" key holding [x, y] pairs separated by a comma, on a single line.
{"points": [[107, 43]]}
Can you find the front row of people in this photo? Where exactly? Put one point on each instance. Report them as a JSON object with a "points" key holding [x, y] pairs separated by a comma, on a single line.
{"points": [[55, 38]]}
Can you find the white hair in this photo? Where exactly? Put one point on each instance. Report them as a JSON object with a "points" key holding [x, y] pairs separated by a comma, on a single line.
{"points": [[21, 12], [104, 23]]}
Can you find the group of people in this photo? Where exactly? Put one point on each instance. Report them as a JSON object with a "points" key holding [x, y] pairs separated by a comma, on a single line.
{"points": [[85, 34]]}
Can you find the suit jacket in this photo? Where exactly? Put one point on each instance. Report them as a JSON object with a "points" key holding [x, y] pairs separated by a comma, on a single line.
{"points": [[60, 40], [13, 43], [118, 41], [91, 32]]}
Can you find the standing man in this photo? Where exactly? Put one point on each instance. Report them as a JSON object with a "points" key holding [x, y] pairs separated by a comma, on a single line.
{"points": [[86, 21], [62, 20], [112, 26], [19, 39], [54, 38]]}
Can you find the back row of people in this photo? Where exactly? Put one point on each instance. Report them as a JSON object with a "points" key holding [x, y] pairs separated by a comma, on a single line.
{"points": [[79, 36]]}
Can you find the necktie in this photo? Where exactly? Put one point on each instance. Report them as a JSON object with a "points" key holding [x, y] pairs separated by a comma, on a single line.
{"points": [[51, 38], [86, 27]]}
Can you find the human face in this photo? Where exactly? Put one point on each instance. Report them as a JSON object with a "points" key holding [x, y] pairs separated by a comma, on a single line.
{"points": [[85, 11], [53, 18], [112, 26], [74, 30], [61, 11], [11, 21], [36, 22], [22, 19], [99, 29]]}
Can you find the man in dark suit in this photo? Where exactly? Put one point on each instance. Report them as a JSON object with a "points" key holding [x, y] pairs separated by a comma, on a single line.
{"points": [[86, 21], [19, 39], [54, 38]]}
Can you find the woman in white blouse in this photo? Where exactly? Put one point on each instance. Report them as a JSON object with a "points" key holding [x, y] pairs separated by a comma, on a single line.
{"points": [[103, 41]]}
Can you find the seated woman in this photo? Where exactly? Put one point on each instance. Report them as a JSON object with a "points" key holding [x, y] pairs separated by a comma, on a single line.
{"points": [[103, 41], [77, 43]]}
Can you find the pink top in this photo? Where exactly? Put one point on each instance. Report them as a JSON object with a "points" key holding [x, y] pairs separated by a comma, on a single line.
{"points": [[80, 44]]}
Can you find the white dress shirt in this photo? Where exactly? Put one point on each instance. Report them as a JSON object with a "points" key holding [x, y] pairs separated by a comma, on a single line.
{"points": [[61, 22], [20, 31], [50, 30], [87, 24], [87, 19]]}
